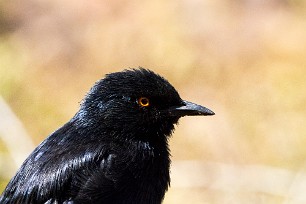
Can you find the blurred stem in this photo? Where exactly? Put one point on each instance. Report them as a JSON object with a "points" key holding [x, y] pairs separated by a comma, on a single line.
{"points": [[18, 142]]}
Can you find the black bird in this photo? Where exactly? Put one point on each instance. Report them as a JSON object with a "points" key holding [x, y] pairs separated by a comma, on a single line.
{"points": [[114, 150]]}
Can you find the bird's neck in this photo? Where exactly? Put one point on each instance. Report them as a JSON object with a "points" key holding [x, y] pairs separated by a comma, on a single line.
{"points": [[152, 159]]}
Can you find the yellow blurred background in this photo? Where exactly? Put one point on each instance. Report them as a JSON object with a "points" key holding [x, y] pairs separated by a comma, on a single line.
{"points": [[244, 59]]}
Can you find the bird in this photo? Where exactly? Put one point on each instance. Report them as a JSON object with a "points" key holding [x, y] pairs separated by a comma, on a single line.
{"points": [[113, 150]]}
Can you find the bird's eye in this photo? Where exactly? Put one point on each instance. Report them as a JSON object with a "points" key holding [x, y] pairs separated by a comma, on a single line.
{"points": [[144, 101]]}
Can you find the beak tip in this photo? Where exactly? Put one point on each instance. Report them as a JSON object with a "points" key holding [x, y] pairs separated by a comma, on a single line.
{"points": [[210, 112], [207, 112]]}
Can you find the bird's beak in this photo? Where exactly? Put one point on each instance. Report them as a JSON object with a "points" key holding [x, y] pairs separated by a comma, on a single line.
{"points": [[189, 108]]}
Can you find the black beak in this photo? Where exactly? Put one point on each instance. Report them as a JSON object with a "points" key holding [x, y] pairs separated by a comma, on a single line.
{"points": [[190, 109]]}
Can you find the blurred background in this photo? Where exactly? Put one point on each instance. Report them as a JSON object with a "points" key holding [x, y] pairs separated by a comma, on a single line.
{"points": [[244, 59]]}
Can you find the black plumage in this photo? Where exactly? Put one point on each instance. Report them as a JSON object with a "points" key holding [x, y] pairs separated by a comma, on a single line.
{"points": [[114, 150]]}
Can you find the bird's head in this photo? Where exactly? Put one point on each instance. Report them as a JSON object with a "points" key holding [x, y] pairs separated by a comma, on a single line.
{"points": [[136, 100]]}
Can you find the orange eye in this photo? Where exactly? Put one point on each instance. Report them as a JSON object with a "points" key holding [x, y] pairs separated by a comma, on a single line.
{"points": [[143, 101]]}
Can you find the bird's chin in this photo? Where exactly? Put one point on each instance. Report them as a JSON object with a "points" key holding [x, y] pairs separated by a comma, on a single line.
{"points": [[174, 119], [167, 126]]}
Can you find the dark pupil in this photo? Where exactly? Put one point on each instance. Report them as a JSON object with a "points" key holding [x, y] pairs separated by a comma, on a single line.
{"points": [[144, 101]]}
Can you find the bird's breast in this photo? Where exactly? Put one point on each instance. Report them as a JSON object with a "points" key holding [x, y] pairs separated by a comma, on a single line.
{"points": [[151, 166]]}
